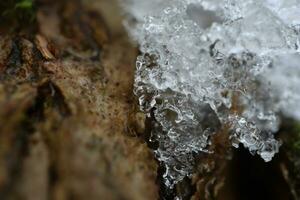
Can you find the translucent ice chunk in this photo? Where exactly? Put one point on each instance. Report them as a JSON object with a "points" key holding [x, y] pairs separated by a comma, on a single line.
{"points": [[205, 64]]}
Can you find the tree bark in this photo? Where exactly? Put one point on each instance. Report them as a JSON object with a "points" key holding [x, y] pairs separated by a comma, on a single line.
{"points": [[69, 124]]}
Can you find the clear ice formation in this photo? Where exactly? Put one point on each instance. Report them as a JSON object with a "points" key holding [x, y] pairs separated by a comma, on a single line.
{"points": [[207, 64]]}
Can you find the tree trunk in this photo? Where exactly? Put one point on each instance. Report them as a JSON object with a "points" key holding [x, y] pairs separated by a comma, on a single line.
{"points": [[70, 127]]}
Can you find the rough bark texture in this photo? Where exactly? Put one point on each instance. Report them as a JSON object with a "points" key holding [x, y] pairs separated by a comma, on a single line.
{"points": [[68, 120], [70, 127]]}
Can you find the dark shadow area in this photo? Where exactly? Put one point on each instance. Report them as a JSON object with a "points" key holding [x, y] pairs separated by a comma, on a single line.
{"points": [[252, 178]]}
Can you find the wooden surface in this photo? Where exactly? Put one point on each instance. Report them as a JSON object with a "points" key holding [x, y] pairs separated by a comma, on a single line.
{"points": [[68, 118]]}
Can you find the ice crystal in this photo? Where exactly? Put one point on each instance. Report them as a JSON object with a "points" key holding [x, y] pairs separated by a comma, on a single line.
{"points": [[205, 64]]}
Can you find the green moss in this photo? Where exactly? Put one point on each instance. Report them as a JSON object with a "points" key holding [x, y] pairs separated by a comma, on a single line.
{"points": [[21, 12], [25, 4]]}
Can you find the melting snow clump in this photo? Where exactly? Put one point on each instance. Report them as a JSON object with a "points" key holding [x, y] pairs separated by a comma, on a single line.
{"points": [[207, 64]]}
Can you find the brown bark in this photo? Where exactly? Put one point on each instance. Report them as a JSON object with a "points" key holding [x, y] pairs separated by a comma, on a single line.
{"points": [[68, 119]]}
